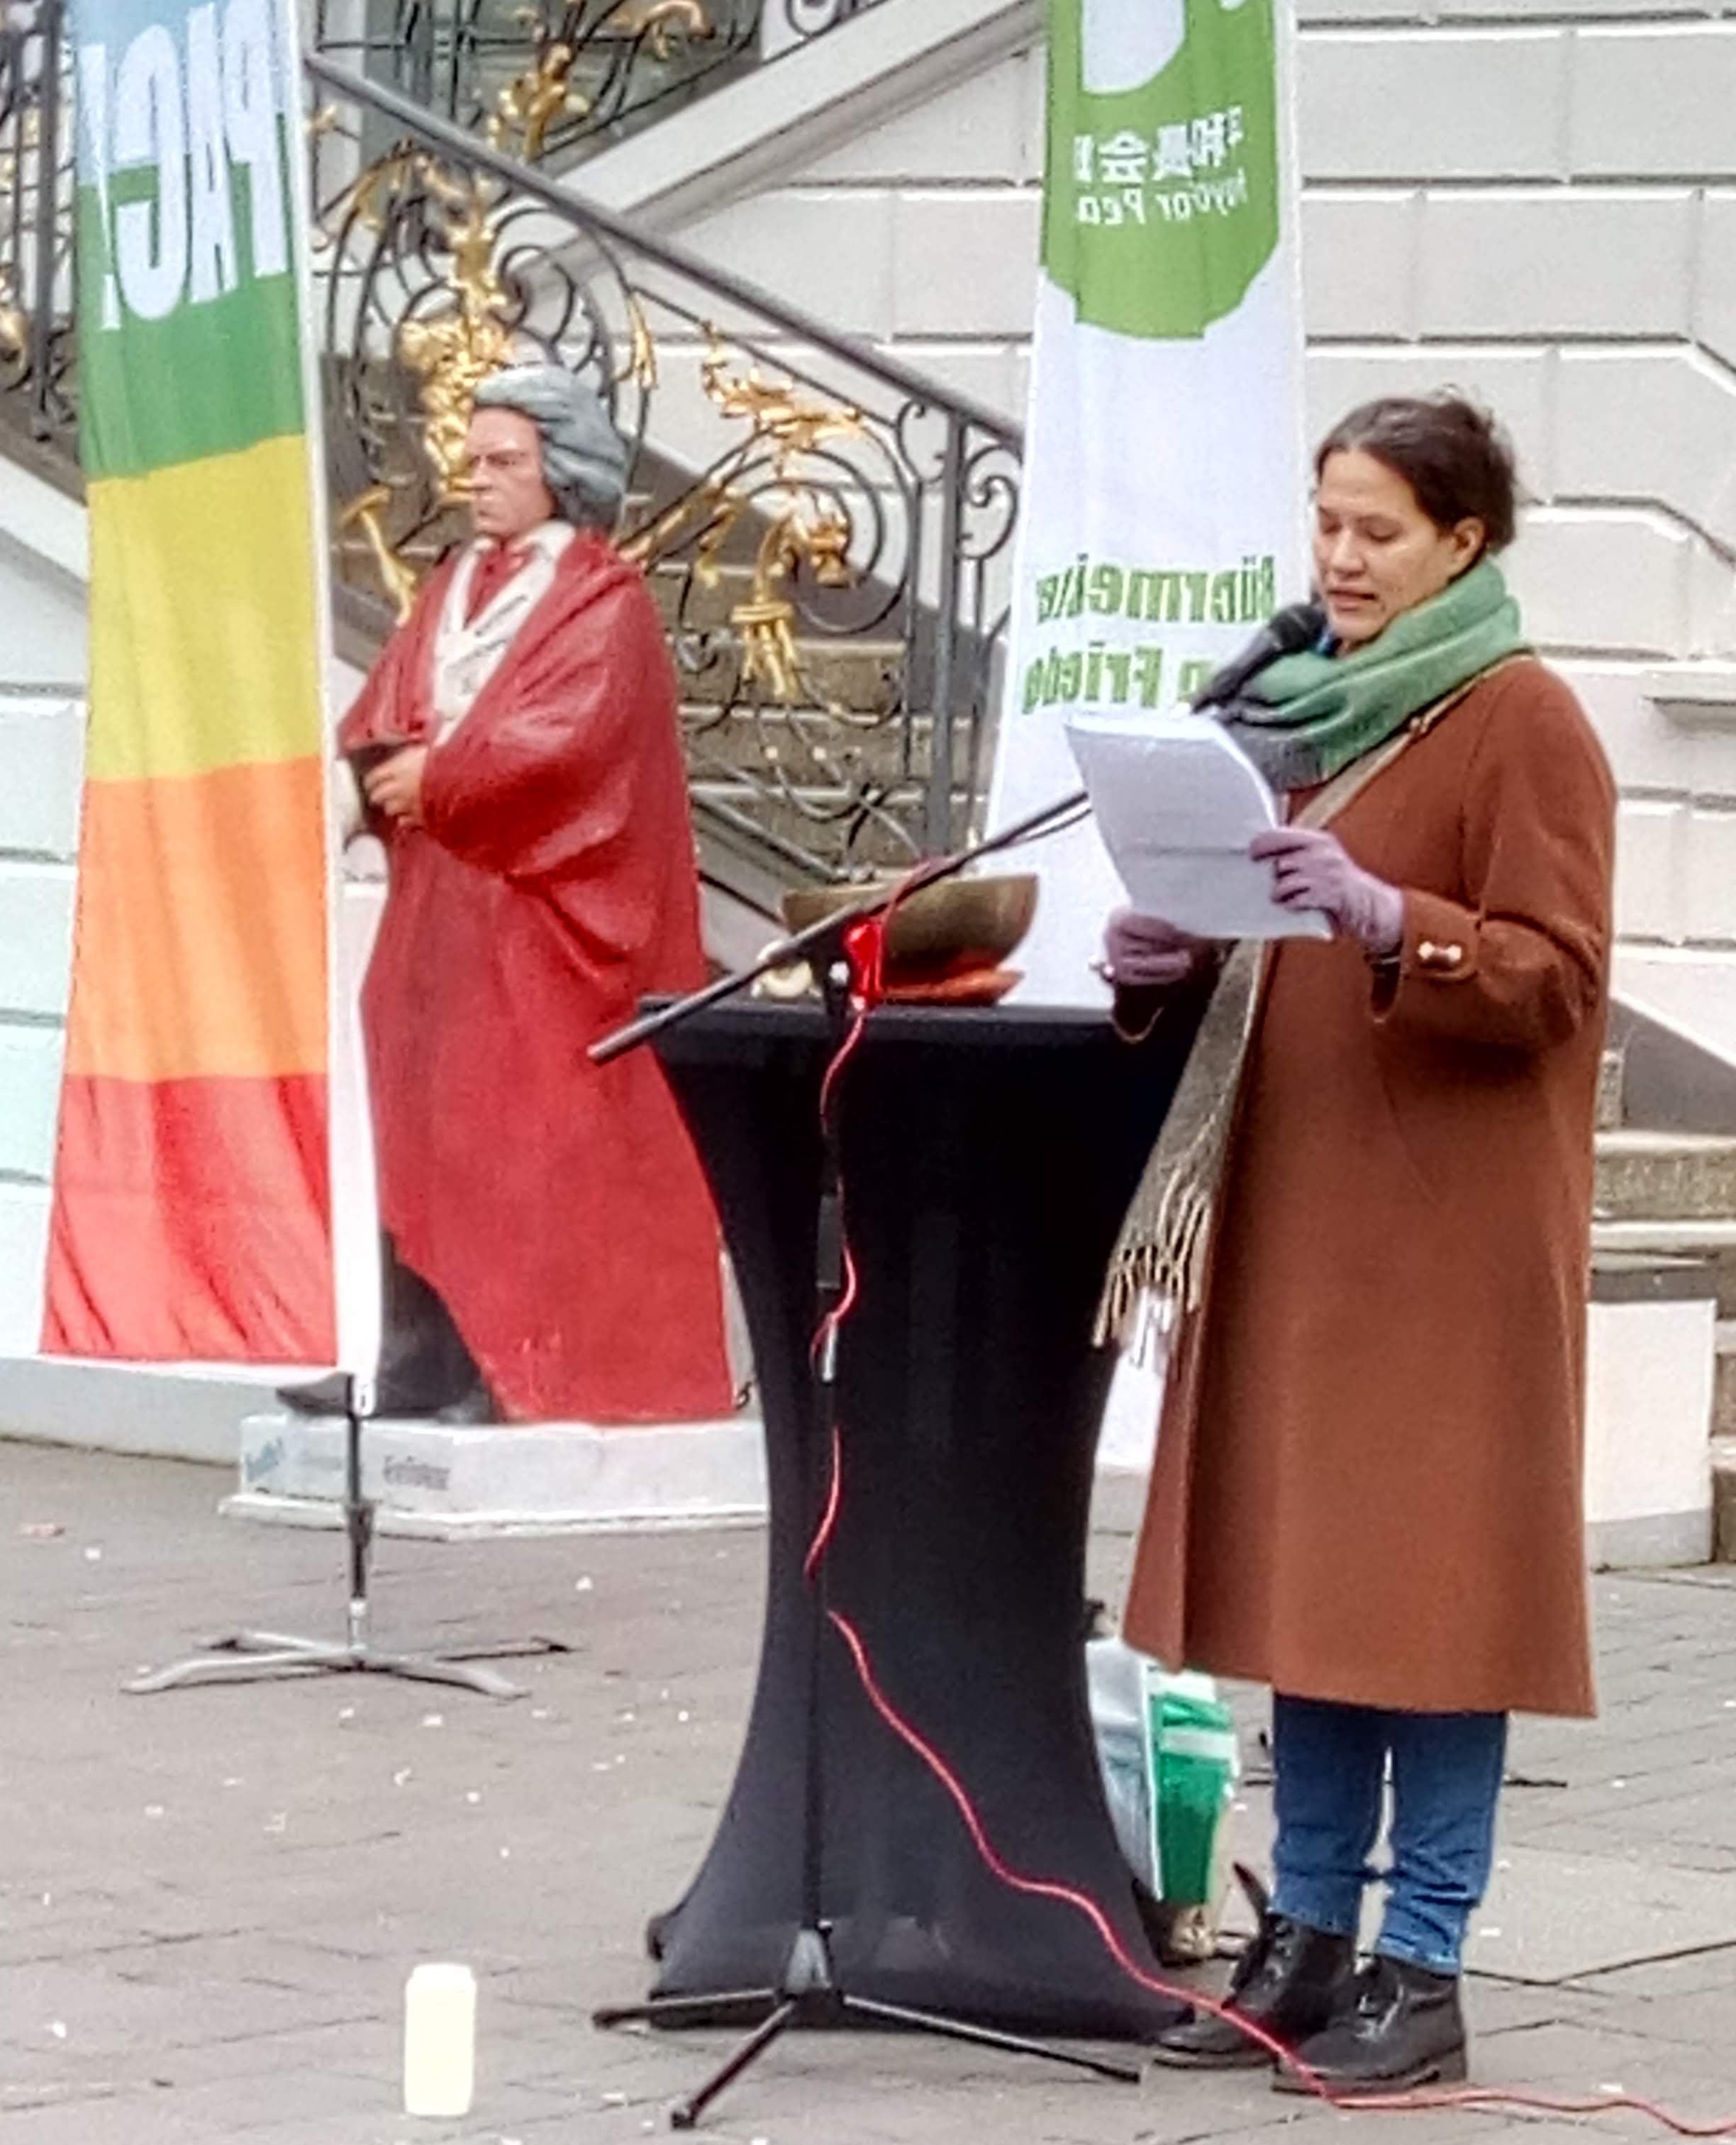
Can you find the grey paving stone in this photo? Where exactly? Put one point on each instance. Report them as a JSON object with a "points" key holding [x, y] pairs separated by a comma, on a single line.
{"points": [[1552, 1916], [316, 1840]]}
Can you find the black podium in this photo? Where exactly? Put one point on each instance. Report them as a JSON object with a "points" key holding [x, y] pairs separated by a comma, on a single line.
{"points": [[988, 1158]]}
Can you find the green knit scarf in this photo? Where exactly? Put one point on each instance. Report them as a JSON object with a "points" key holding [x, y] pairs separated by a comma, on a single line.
{"points": [[1304, 717]]}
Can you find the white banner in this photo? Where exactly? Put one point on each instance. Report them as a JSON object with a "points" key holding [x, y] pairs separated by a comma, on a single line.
{"points": [[1162, 513]]}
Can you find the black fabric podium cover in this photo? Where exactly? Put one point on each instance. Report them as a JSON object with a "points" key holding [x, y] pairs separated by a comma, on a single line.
{"points": [[988, 1155]]}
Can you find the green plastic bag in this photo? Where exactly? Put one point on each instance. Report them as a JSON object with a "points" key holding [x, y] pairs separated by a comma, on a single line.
{"points": [[1194, 1762]]}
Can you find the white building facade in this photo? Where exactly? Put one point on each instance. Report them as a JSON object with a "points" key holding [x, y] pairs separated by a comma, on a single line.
{"points": [[1536, 202]]}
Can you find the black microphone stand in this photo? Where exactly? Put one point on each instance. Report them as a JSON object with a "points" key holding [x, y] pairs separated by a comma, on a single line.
{"points": [[809, 1991]]}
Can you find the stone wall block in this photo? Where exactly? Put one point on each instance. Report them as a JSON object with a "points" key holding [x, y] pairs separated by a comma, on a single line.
{"points": [[23, 1256], [1650, 425], [35, 938], [976, 130], [1343, 13], [30, 1061], [826, 249], [1602, 583], [42, 751], [1033, 96], [1710, 876], [1649, 748], [1655, 99], [991, 372], [1520, 262], [1711, 604], [1715, 315], [1358, 263], [1426, 104], [965, 263], [1513, 383], [1650, 837]]}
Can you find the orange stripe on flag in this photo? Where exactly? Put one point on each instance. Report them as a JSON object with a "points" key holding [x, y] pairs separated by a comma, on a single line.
{"points": [[200, 948]]}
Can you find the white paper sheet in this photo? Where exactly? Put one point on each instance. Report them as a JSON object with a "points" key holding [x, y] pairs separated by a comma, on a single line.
{"points": [[1177, 803]]}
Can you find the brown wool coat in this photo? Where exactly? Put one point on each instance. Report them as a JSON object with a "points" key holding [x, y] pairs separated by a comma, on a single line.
{"points": [[1367, 1485]]}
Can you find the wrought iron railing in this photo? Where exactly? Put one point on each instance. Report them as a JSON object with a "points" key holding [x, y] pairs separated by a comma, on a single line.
{"points": [[554, 80], [37, 356], [829, 532]]}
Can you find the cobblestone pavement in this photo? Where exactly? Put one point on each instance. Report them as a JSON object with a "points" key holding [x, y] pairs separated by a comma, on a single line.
{"points": [[209, 1900]]}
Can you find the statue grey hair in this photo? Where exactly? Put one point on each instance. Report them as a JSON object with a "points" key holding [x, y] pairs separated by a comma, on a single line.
{"points": [[585, 459]]}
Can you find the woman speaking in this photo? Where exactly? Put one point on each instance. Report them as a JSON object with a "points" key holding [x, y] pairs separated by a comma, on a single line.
{"points": [[1372, 1200]]}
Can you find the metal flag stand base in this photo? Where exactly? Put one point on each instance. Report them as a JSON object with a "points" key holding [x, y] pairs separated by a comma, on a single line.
{"points": [[247, 1656]]}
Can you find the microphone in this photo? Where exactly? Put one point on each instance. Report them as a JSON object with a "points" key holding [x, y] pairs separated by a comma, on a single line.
{"points": [[1286, 632]]}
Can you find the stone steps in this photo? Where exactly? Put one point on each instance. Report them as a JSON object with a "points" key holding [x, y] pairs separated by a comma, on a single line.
{"points": [[806, 822], [1673, 1194], [1670, 1194], [863, 671], [1664, 1176], [864, 677], [1723, 1500], [1713, 1240], [1723, 1391]]}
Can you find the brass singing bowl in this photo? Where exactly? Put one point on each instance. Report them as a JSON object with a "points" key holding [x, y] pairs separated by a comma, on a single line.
{"points": [[961, 923]]}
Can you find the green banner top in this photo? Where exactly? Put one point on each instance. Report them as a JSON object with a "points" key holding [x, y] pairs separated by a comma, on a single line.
{"points": [[1160, 200]]}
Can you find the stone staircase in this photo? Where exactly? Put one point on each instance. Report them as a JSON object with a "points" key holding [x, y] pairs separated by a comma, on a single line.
{"points": [[1671, 1194], [847, 729]]}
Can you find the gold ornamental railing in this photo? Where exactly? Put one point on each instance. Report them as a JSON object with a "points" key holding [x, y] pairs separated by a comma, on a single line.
{"points": [[829, 532]]}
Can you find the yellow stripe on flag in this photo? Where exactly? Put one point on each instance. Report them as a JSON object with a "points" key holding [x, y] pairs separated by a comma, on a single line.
{"points": [[202, 628], [200, 930]]}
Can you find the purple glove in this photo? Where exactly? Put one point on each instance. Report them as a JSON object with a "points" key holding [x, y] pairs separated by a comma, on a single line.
{"points": [[1143, 952], [1313, 869]]}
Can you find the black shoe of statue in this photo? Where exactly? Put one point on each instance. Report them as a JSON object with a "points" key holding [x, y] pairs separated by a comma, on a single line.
{"points": [[1405, 2028], [320, 1396], [1290, 1982], [476, 1407], [391, 1402]]}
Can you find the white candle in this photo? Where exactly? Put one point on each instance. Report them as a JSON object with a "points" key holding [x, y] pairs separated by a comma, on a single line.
{"points": [[440, 2040]]}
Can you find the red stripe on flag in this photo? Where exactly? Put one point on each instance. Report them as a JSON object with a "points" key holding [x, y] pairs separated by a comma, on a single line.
{"points": [[192, 1221]]}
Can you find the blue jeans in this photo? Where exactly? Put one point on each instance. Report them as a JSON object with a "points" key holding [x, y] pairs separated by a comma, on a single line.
{"points": [[1328, 1766]]}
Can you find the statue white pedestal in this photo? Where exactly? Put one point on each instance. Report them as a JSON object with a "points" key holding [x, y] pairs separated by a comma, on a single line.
{"points": [[447, 1483]]}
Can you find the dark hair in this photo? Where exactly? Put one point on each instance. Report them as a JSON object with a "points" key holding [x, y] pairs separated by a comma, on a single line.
{"points": [[1454, 456]]}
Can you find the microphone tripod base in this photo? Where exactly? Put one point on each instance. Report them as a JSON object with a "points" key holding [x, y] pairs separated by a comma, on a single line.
{"points": [[809, 1996]]}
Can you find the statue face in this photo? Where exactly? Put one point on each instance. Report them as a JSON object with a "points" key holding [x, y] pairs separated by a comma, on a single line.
{"points": [[504, 459]]}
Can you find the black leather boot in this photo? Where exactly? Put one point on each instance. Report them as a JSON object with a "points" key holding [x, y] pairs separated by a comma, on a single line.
{"points": [[425, 1371], [1290, 1980], [321, 1396], [1405, 2028]]}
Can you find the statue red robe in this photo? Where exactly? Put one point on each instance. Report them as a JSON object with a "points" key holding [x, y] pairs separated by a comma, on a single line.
{"points": [[558, 1209]]}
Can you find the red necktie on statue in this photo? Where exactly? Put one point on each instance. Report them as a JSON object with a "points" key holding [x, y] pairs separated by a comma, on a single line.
{"points": [[495, 569]]}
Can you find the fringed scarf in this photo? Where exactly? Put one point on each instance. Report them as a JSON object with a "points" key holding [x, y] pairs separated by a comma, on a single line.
{"points": [[1304, 719]]}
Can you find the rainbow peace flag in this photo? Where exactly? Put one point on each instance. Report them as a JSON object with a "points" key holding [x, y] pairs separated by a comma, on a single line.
{"points": [[192, 1196]]}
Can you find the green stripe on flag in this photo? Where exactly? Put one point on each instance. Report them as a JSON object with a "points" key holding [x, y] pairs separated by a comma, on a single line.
{"points": [[238, 352]]}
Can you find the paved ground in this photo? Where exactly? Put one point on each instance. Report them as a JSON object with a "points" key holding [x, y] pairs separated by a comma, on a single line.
{"points": [[209, 1900]]}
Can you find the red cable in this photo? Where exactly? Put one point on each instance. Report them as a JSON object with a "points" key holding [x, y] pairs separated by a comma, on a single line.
{"points": [[865, 944], [1039, 1888], [828, 1519]]}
